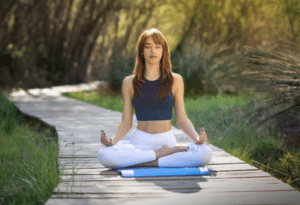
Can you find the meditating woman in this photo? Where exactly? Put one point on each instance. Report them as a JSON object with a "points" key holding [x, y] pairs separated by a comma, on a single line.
{"points": [[153, 90]]}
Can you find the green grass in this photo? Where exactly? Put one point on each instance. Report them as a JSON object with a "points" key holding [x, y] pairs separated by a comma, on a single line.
{"points": [[227, 124], [28, 161], [113, 102]]}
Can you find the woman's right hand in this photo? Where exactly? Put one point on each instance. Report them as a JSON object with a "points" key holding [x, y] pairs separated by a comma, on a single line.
{"points": [[105, 140], [202, 137]]}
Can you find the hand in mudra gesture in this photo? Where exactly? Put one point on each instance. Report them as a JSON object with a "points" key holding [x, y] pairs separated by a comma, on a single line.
{"points": [[105, 140], [202, 137]]}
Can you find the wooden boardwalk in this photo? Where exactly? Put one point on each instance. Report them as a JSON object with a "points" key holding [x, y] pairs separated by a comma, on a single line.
{"points": [[86, 181]]}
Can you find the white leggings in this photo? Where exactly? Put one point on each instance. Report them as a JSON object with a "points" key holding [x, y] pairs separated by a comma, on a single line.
{"points": [[140, 149]]}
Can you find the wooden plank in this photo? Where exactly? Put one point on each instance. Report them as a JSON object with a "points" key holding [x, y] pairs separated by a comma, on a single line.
{"points": [[106, 199], [201, 197], [166, 189], [189, 188], [224, 185], [171, 183], [214, 168], [115, 176]]}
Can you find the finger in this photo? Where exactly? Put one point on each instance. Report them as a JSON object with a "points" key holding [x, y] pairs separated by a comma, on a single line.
{"points": [[103, 134], [104, 139]]}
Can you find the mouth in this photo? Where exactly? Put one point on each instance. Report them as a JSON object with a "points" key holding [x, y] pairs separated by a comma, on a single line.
{"points": [[152, 56]]}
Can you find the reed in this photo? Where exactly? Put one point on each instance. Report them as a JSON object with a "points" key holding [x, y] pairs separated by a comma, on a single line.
{"points": [[28, 160]]}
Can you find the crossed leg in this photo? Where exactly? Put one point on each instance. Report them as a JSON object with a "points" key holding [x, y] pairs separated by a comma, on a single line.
{"points": [[163, 151], [182, 156]]}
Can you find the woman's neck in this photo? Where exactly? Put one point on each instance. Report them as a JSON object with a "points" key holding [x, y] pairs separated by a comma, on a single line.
{"points": [[152, 71]]}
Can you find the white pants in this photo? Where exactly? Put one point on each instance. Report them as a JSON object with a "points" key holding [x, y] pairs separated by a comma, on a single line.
{"points": [[140, 149]]}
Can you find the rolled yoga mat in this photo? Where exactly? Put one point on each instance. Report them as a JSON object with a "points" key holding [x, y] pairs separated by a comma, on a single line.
{"points": [[163, 172]]}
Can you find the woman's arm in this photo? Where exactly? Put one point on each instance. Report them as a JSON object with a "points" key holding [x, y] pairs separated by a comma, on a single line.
{"points": [[127, 116], [120, 132], [187, 127], [181, 118], [118, 135]]}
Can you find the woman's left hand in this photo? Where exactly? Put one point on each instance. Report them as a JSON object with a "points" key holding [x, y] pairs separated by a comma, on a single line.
{"points": [[202, 137], [105, 140]]}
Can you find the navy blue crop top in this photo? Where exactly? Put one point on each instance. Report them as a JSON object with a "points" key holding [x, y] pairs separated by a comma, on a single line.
{"points": [[148, 108]]}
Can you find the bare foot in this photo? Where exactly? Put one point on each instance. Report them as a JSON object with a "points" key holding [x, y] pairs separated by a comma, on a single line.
{"points": [[166, 150], [148, 164]]}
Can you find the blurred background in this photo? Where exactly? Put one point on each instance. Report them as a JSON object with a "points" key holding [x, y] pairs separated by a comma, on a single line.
{"points": [[240, 61], [220, 47]]}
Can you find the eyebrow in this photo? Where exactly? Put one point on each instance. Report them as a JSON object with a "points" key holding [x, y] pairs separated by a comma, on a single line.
{"points": [[150, 44]]}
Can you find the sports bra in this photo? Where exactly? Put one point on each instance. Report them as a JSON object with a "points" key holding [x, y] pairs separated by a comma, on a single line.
{"points": [[148, 108]]}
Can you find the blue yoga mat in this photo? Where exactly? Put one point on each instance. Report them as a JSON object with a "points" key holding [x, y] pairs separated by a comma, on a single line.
{"points": [[162, 172]]}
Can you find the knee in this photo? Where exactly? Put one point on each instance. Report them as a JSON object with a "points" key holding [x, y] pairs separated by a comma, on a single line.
{"points": [[105, 157], [208, 154]]}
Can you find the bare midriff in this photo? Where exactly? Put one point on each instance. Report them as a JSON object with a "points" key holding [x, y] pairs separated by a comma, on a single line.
{"points": [[155, 126]]}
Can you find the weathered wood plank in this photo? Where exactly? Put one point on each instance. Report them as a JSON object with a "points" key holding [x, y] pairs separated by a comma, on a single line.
{"points": [[202, 197], [166, 182], [113, 176], [224, 185], [192, 188], [214, 168]]}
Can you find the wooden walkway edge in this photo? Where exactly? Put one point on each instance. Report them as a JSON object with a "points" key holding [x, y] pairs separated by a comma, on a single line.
{"points": [[86, 181]]}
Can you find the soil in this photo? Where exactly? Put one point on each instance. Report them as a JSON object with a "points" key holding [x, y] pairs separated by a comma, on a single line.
{"points": [[40, 126]]}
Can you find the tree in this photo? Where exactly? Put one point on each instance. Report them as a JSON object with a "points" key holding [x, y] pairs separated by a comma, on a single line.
{"points": [[57, 35]]}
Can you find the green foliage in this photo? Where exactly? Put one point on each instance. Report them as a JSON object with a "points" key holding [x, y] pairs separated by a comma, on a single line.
{"points": [[114, 102], [28, 161], [120, 68], [7, 108], [290, 164], [193, 65], [8, 115]]}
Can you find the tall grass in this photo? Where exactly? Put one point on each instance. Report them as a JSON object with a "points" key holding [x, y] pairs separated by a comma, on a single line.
{"points": [[28, 161], [226, 120]]}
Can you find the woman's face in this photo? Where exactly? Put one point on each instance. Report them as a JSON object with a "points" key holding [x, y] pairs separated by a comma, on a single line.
{"points": [[152, 52]]}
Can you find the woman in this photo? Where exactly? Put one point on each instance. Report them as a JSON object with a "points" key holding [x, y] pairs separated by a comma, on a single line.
{"points": [[153, 90]]}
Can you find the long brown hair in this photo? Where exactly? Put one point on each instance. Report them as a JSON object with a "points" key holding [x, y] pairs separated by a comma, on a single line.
{"points": [[166, 81]]}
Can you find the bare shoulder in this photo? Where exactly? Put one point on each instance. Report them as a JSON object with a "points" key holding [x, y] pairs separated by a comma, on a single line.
{"points": [[176, 76], [177, 82], [128, 79], [128, 83]]}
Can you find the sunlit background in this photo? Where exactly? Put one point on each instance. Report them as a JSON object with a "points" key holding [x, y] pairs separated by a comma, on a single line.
{"points": [[46, 43], [240, 61]]}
